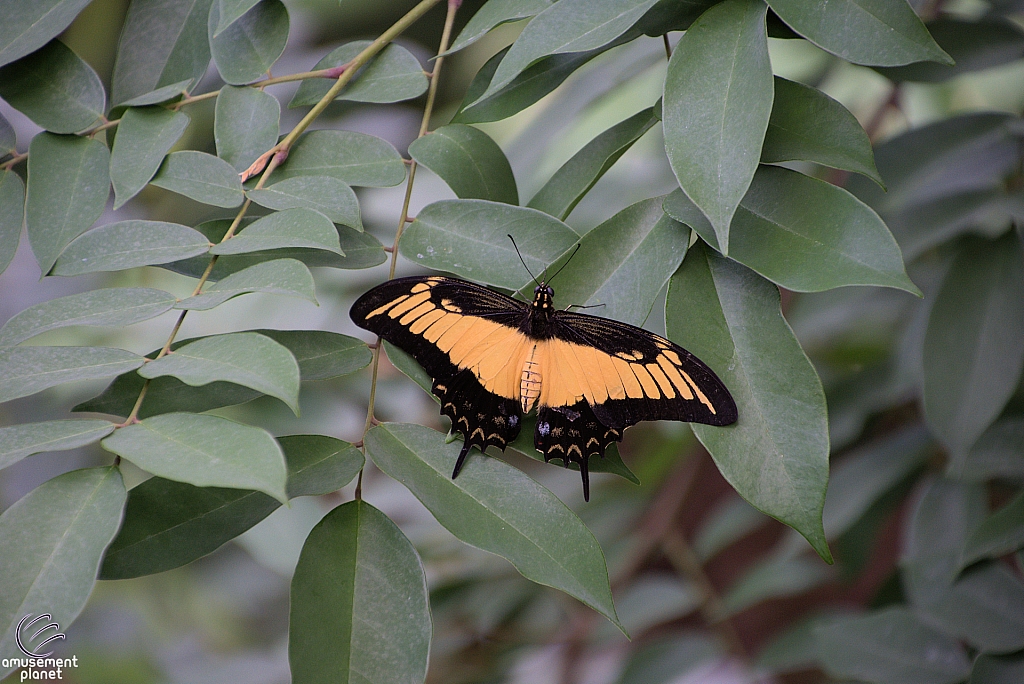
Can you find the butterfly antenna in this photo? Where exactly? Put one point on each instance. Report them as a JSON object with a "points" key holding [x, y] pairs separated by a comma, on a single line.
{"points": [[523, 260], [566, 263]]}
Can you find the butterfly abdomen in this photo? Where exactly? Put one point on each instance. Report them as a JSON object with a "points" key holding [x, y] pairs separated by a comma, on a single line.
{"points": [[530, 382]]}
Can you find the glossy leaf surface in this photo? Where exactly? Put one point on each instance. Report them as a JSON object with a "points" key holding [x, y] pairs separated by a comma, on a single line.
{"points": [[359, 608], [111, 306], [248, 359], [470, 238], [206, 451], [469, 161], [718, 99], [60, 530], [532, 529], [67, 189], [55, 88], [776, 455], [128, 244], [144, 136], [27, 370]]}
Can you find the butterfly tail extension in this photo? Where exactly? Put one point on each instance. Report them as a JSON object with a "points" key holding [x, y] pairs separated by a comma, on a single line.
{"points": [[466, 446], [483, 418], [573, 434]]}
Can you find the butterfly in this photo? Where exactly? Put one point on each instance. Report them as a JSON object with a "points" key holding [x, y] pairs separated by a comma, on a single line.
{"points": [[494, 358]]}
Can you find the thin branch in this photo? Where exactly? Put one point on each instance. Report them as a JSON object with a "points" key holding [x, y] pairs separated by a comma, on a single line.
{"points": [[453, 6], [686, 563], [16, 159]]}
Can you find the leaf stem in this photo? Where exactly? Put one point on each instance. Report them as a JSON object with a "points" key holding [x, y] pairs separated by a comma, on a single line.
{"points": [[14, 160], [279, 153], [449, 21]]}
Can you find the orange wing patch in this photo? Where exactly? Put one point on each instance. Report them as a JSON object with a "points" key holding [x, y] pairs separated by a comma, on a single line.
{"points": [[572, 372]]}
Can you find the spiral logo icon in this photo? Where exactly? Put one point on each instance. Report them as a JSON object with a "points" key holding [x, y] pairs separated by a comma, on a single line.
{"points": [[25, 625]]}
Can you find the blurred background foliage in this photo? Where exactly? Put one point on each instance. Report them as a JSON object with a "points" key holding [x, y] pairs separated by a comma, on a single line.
{"points": [[710, 589]]}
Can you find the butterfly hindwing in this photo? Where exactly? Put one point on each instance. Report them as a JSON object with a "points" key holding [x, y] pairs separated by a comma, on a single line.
{"points": [[573, 434]]}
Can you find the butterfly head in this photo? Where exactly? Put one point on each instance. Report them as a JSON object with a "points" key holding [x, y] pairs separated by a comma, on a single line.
{"points": [[543, 298]]}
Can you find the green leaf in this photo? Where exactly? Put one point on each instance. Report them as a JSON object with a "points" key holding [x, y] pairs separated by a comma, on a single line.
{"points": [[495, 507], [30, 24], [248, 359], [777, 576], [144, 136], [1000, 534], [393, 75], [576, 177], [871, 32], [249, 46], [27, 370], [55, 88], [160, 95], [128, 244], [470, 238], [283, 276], [891, 645], [997, 452], [19, 441], [246, 124], [322, 355], [972, 352], [985, 608], [776, 455], [354, 158], [12, 215], [805, 234], [329, 196], [59, 531], [231, 11], [469, 161], [168, 524], [808, 125], [933, 543], [565, 27], [864, 475], [362, 250], [359, 602], [728, 522], [990, 669], [164, 395], [624, 263], [974, 45], [319, 465], [494, 13], [206, 451], [201, 177], [526, 89], [113, 306], [283, 229], [163, 42], [718, 99], [68, 184]]}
